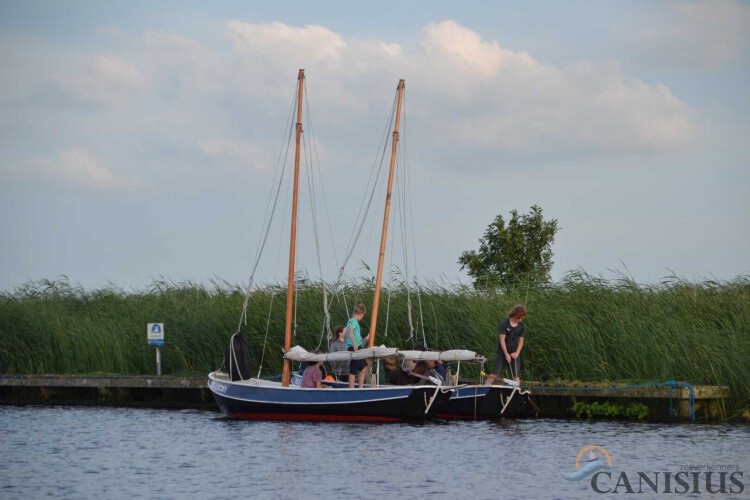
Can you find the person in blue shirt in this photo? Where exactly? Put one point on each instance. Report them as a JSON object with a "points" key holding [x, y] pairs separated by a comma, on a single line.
{"points": [[354, 342]]}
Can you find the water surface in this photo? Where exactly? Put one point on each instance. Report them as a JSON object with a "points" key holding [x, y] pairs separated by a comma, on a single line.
{"points": [[77, 452]]}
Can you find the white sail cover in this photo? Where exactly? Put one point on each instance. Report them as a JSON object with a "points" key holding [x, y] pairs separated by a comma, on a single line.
{"points": [[452, 355], [298, 353]]}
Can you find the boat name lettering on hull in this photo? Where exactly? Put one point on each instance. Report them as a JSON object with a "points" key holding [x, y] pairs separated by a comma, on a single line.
{"points": [[214, 386]]}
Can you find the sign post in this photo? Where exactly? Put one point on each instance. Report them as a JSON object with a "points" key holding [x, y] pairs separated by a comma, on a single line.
{"points": [[155, 336]]}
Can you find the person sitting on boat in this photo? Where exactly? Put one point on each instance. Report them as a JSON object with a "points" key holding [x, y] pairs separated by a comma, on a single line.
{"points": [[402, 376], [509, 345], [354, 342], [340, 369], [312, 378], [390, 364], [426, 369], [439, 366], [303, 366]]}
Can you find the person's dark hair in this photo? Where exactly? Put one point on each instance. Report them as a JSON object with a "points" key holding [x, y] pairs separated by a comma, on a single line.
{"points": [[518, 311], [359, 309], [339, 329], [421, 368]]}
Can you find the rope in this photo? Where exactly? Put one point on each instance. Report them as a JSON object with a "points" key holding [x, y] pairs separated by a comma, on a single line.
{"points": [[387, 310], [363, 212], [318, 170], [432, 399], [233, 357], [401, 220], [268, 219], [326, 328], [313, 211], [265, 337], [362, 215]]}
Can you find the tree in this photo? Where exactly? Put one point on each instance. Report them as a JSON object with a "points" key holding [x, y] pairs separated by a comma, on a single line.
{"points": [[520, 250]]}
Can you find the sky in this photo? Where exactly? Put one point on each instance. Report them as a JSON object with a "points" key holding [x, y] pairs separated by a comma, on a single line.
{"points": [[141, 140]]}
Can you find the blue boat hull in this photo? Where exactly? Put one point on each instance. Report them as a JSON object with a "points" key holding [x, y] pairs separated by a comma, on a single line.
{"points": [[270, 401], [484, 402]]}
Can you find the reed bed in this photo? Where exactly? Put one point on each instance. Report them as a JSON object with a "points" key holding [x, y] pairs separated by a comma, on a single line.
{"points": [[583, 328]]}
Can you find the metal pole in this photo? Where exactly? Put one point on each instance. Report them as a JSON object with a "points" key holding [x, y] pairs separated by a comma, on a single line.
{"points": [[158, 362]]}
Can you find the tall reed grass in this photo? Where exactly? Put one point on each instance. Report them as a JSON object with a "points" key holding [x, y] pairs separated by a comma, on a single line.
{"points": [[582, 328]]}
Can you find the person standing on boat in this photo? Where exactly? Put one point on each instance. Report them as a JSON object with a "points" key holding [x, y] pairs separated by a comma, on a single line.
{"points": [[340, 369], [509, 345], [354, 342]]}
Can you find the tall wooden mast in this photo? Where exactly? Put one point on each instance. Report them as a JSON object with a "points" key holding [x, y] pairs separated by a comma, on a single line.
{"points": [[293, 240], [384, 234]]}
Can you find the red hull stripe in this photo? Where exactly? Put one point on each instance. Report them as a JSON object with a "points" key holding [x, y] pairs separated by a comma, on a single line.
{"points": [[311, 417]]}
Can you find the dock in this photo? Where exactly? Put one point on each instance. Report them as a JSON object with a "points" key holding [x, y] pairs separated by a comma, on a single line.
{"points": [[665, 400], [107, 390]]}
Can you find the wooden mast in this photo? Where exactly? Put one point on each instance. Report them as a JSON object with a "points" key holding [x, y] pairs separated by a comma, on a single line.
{"points": [[384, 234], [285, 376]]}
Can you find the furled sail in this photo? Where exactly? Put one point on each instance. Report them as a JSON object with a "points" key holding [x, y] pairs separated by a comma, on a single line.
{"points": [[298, 353], [451, 355]]}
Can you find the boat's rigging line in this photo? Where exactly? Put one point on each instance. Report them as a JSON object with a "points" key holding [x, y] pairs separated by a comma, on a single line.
{"points": [[364, 208], [310, 154], [309, 165], [374, 176], [312, 167], [405, 220], [268, 219], [273, 293], [265, 337], [408, 203]]}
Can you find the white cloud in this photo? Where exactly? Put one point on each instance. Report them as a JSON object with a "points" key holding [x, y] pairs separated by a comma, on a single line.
{"points": [[485, 97], [580, 109], [476, 91], [460, 50], [511, 103], [309, 43], [78, 167]]}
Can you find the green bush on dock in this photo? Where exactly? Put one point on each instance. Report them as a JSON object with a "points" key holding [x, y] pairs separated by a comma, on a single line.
{"points": [[582, 328], [634, 411]]}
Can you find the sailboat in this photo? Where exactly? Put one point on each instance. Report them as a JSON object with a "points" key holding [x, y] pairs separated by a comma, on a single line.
{"points": [[265, 399]]}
